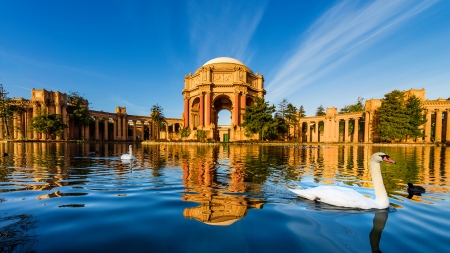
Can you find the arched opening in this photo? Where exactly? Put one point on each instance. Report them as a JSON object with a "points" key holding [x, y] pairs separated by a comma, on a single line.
{"points": [[222, 118]]}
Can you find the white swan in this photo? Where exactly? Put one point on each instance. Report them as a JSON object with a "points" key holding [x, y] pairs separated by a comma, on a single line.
{"points": [[346, 197], [128, 156]]}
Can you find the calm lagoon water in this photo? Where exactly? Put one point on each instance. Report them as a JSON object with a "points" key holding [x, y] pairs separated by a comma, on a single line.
{"points": [[61, 197]]}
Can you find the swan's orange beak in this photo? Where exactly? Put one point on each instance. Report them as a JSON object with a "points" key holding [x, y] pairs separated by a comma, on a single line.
{"points": [[387, 159]]}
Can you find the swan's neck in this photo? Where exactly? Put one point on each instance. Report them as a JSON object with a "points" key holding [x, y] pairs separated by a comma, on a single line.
{"points": [[131, 152], [380, 192]]}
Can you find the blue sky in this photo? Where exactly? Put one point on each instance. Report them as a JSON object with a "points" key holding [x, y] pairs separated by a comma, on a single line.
{"points": [[136, 53]]}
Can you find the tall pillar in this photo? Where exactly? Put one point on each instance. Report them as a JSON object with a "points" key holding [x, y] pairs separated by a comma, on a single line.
{"points": [[243, 105], [167, 131], [97, 135], [316, 132], [336, 130], [125, 128], [35, 113], [346, 139], [428, 127], [326, 130], [134, 130], [116, 122], [186, 112], [65, 121], [202, 110], [447, 131], [105, 131], [300, 132], [208, 108], [1, 129], [14, 130], [366, 127], [356, 131], [87, 132], [308, 131], [438, 131], [119, 127], [236, 109]]}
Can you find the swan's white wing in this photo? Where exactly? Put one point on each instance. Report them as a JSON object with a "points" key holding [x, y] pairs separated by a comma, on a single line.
{"points": [[337, 196]]}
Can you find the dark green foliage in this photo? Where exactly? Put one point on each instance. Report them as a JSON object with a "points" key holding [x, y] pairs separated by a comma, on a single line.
{"points": [[157, 115], [258, 119], [286, 117], [301, 112], [320, 111], [356, 107], [414, 109], [200, 135], [399, 119], [77, 108], [185, 132], [51, 124]]}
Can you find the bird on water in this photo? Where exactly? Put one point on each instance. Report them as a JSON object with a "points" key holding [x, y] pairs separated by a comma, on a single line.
{"points": [[346, 197]]}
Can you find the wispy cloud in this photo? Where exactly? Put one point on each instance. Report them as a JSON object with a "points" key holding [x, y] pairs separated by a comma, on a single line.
{"points": [[224, 29], [339, 34]]}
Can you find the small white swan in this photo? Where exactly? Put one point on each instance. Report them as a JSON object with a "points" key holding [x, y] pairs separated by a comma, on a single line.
{"points": [[346, 197], [128, 156]]}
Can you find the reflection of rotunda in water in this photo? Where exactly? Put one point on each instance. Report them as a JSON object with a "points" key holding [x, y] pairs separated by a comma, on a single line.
{"points": [[219, 209]]}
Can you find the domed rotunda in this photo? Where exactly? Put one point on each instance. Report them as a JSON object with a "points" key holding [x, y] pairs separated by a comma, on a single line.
{"points": [[222, 83]]}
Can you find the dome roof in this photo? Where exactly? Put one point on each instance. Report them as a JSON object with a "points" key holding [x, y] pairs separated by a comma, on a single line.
{"points": [[223, 60]]}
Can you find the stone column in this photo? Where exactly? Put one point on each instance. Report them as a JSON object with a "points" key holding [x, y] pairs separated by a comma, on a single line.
{"points": [[438, 131], [35, 113], [356, 130], [346, 139], [1, 129], [316, 131], [243, 105], [167, 131], [366, 127], [134, 130], [186, 112], [66, 121], [87, 132], [428, 127], [202, 110], [236, 109], [208, 108], [326, 130], [447, 130], [336, 130], [119, 127], [300, 132], [125, 128], [308, 131], [97, 134], [105, 131], [116, 123], [14, 130]]}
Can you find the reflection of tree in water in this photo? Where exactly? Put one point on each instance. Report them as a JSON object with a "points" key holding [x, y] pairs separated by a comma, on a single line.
{"points": [[18, 234]]}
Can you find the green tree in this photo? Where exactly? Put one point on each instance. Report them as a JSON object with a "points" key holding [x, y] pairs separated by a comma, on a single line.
{"points": [[320, 111], [394, 121], [8, 107], [50, 124], [158, 118], [200, 135], [291, 118], [301, 112], [356, 107], [185, 132], [258, 118], [415, 109], [78, 110]]}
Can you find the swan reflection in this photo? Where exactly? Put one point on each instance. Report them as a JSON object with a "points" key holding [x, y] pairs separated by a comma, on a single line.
{"points": [[379, 222]]}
